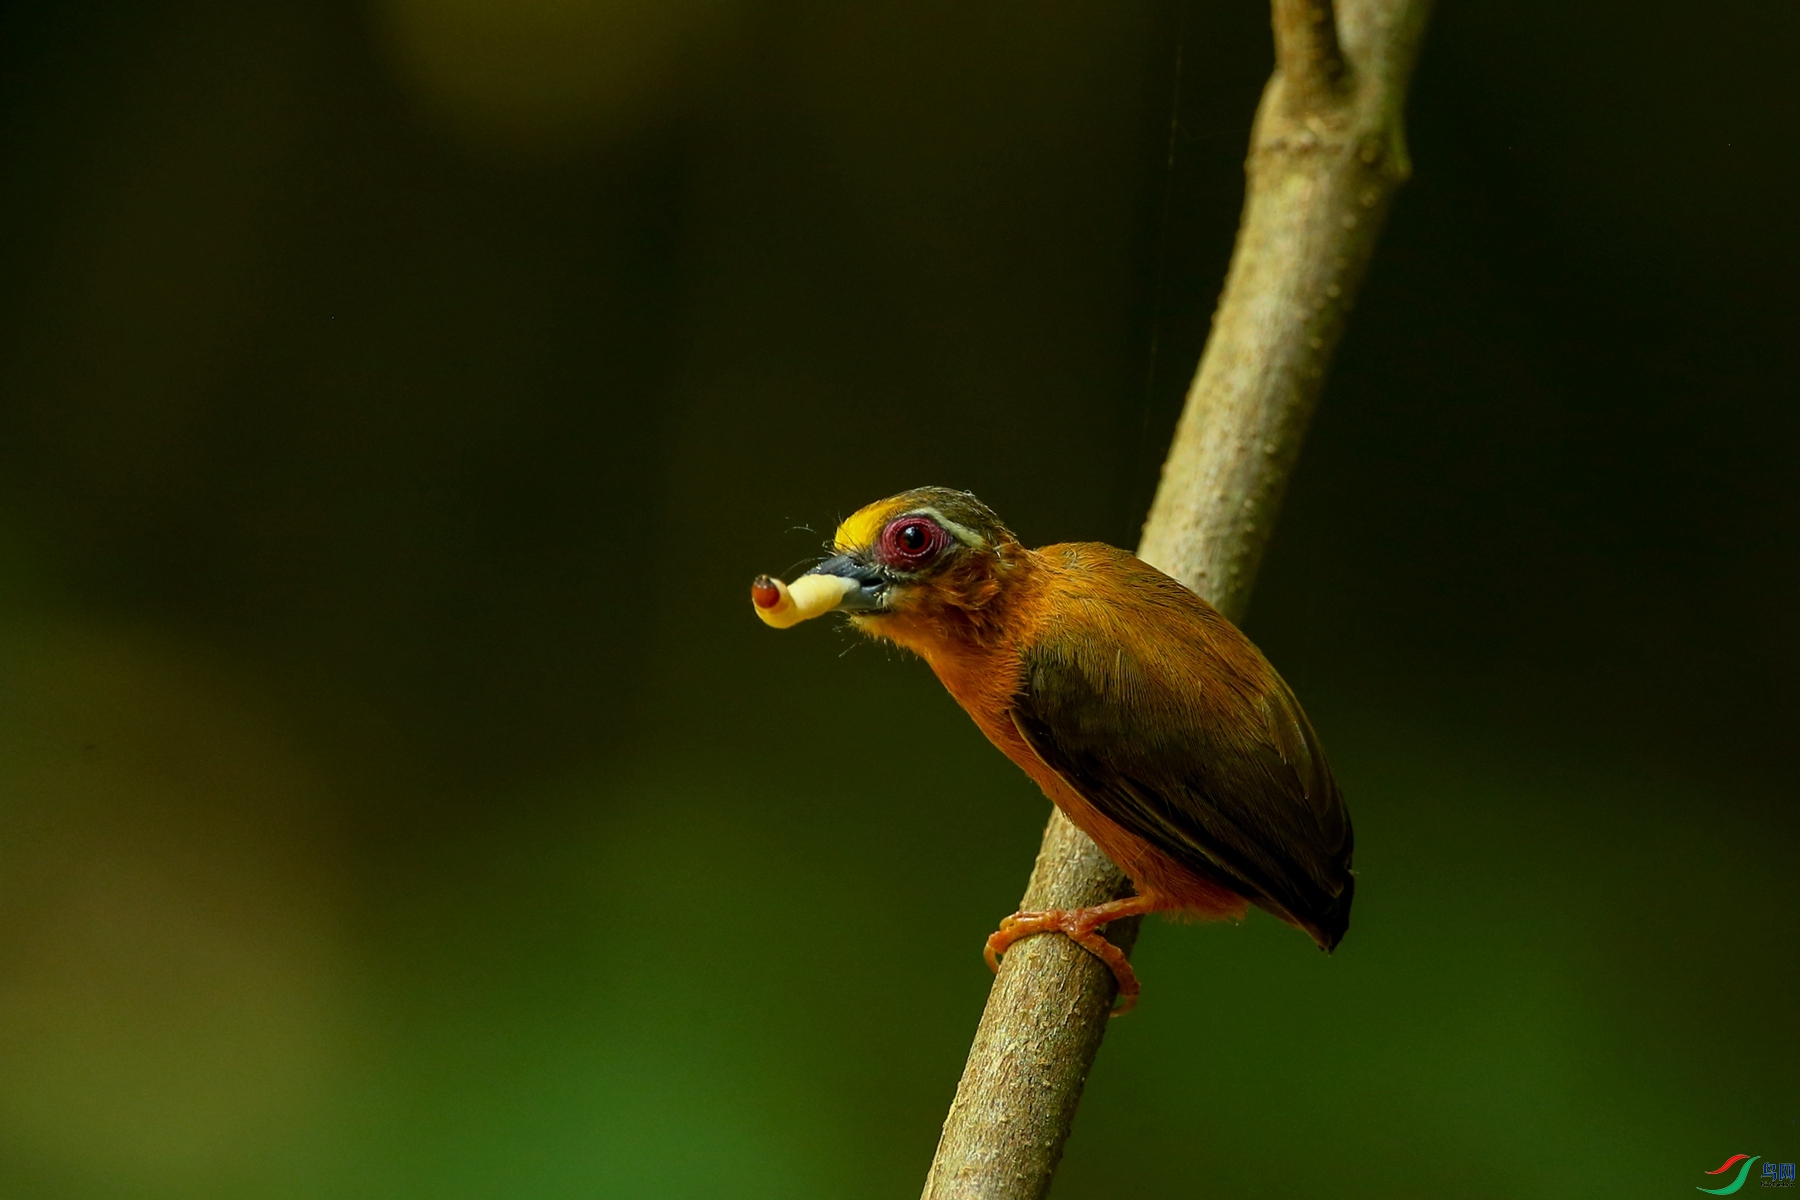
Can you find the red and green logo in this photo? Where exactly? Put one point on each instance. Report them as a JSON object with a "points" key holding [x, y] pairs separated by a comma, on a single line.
{"points": [[1743, 1173]]}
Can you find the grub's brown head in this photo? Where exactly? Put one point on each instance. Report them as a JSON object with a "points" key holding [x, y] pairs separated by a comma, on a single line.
{"points": [[931, 557]]}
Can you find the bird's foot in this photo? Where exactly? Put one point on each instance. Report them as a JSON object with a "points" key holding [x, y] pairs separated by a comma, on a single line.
{"points": [[1081, 926]]}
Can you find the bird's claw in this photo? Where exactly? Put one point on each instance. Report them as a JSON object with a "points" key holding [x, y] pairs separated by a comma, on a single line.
{"points": [[1080, 927]]}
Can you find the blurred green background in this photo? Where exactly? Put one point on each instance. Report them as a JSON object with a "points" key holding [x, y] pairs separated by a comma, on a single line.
{"points": [[397, 798]]}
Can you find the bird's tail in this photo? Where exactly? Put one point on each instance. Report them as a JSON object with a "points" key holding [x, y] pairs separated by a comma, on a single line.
{"points": [[1333, 921]]}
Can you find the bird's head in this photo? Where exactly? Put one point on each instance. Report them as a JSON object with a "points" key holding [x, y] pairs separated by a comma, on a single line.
{"points": [[930, 557]]}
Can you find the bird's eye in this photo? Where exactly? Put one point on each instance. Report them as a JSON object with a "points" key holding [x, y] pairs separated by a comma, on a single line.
{"points": [[913, 541]]}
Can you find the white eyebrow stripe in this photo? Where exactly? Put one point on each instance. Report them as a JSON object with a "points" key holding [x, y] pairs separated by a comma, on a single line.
{"points": [[962, 533]]}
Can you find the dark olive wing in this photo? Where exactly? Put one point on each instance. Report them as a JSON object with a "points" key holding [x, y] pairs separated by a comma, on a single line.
{"points": [[1177, 729]]}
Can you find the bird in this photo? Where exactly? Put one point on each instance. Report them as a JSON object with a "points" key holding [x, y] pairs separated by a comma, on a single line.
{"points": [[1144, 714]]}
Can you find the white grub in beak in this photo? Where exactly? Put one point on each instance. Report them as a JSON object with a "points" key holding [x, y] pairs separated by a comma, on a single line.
{"points": [[811, 596]]}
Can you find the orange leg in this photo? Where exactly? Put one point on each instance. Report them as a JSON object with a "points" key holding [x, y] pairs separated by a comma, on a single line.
{"points": [[1081, 925]]}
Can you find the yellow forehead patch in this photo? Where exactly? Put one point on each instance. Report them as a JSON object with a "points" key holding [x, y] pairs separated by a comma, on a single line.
{"points": [[864, 525]]}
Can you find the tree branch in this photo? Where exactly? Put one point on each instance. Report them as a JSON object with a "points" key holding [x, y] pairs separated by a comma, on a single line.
{"points": [[1327, 153], [1307, 53]]}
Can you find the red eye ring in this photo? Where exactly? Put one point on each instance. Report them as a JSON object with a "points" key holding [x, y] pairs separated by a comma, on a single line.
{"points": [[912, 541]]}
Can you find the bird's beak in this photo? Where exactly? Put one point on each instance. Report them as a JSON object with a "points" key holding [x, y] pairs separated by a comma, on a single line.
{"points": [[870, 592], [840, 584]]}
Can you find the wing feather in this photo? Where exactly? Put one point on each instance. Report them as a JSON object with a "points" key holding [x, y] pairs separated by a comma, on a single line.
{"points": [[1168, 721]]}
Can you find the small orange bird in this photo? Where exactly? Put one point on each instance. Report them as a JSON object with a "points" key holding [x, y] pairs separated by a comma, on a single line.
{"points": [[1155, 725]]}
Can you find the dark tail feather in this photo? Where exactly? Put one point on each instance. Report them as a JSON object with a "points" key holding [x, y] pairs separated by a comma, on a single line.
{"points": [[1334, 921]]}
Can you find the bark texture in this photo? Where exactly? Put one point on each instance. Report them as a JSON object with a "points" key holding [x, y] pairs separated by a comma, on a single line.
{"points": [[1327, 153]]}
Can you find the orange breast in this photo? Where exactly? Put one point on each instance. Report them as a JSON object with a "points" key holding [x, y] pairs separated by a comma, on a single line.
{"points": [[984, 680]]}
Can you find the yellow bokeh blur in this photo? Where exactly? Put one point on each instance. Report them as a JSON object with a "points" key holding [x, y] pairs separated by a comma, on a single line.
{"points": [[549, 74], [171, 1001]]}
